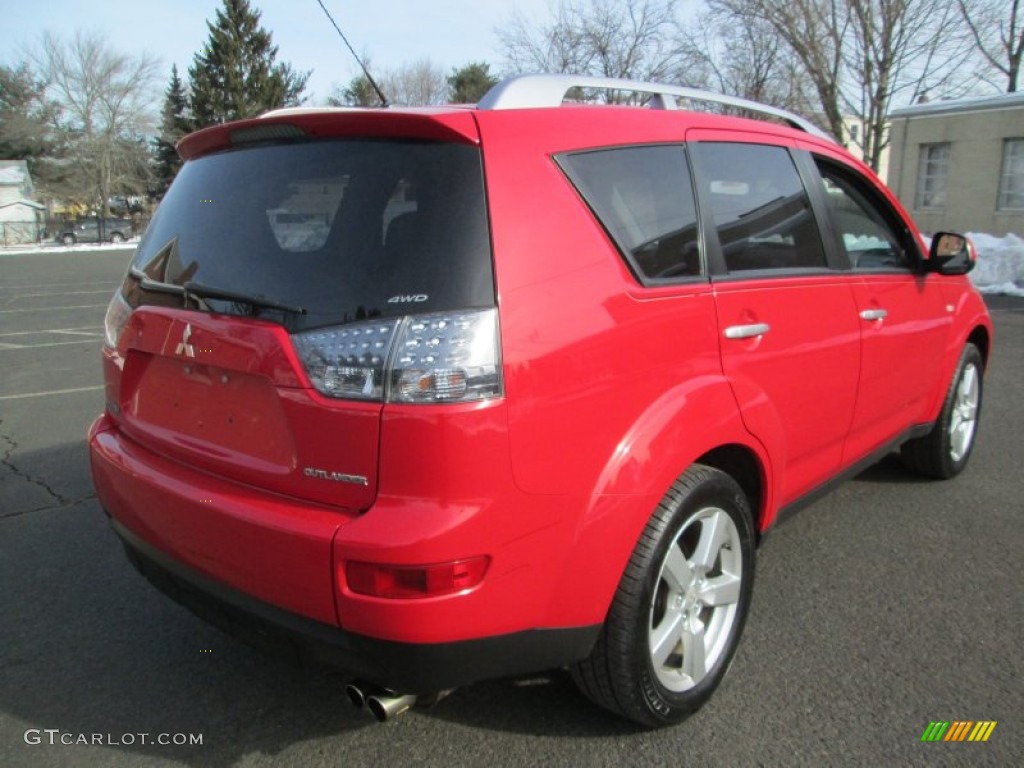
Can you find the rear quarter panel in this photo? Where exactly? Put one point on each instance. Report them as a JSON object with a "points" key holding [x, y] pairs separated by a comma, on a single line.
{"points": [[613, 389]]}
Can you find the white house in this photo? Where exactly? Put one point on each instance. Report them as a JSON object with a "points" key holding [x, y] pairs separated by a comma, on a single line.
{"points": [[21, 217]]}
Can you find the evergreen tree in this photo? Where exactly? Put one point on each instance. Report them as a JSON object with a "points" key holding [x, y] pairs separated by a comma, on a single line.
{"points": [[235, 76], [173, 126], [469, 83], [27, 120], [358, 93]]}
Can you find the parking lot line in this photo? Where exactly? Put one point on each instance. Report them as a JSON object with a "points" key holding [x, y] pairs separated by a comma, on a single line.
{"points": [[51, 392], [63, 293], [54, 285], [76, 329], [52, 309], [6, 346]]}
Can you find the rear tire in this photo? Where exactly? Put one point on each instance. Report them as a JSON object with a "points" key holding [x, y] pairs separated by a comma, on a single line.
{"points": [[117, 237], [943, 452], [680, 607], [68, 239]]}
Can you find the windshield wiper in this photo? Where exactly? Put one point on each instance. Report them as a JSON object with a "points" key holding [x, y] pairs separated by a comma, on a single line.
{"points": [[197, 292]]}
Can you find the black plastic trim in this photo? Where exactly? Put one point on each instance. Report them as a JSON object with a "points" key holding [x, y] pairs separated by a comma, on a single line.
{"points": [[404, 667], [854, 469], [831, 240]]}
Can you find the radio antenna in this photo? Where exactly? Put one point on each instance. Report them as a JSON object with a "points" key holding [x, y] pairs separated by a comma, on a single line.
{"points": [[366, 72]]}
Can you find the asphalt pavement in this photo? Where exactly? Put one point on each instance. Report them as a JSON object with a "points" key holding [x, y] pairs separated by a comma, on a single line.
{"points": [[889, 604]]}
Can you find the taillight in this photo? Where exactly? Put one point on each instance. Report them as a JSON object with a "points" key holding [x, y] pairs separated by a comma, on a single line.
{"points": [[118, 312], [348, 361], [445, 357], [415, 581]]}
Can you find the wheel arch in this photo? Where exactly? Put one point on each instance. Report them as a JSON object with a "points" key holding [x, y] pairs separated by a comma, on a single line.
{"points": [[744, 466], [982, 339], [624, 499], [980, 336]]}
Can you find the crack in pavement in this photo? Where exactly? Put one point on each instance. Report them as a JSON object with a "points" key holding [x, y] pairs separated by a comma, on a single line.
{"points": [[63, 505], [9, 445]]}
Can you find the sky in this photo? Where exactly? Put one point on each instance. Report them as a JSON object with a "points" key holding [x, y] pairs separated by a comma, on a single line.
{"points": [[448, 32]]}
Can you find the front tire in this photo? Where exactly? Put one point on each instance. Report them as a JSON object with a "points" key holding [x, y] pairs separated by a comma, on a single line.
{"points": [[943, 452], [680, 607]]}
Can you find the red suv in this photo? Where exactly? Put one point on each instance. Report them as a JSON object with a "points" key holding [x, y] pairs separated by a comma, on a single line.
{"points": [[454, 393]]}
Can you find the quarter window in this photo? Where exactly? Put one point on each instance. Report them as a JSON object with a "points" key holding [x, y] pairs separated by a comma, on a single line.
{"points": [[760, 207], [643, 197], [932, 172], [1011, 180]]}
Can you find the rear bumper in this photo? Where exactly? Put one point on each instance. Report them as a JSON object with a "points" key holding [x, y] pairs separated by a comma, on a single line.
{"points": [[406, 667], [270, 569]]}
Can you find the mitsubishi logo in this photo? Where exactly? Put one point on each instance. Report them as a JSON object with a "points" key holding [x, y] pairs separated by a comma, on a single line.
{"points": [[184, 348]]}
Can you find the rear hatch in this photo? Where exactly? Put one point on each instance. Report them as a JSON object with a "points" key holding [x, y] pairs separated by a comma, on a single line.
{"points": [[260, 321]]}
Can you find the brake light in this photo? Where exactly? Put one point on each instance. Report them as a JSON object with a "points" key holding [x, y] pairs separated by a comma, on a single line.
{"points": [[438, 358], [118, 312], [348, 361], [415, 581]]}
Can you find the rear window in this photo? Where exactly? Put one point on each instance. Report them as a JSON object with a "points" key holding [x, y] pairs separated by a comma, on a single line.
{"points": [[347, 230]]}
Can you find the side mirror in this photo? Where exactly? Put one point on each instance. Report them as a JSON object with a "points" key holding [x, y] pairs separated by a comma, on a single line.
{"points": [[951, 254]]}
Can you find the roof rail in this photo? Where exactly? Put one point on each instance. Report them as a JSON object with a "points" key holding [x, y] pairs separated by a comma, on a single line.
{"points": [[528, 91]]}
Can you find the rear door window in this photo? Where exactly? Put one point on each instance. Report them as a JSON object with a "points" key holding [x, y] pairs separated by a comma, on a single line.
{"points": [[643, 197], [347, 230], [761, 210]]}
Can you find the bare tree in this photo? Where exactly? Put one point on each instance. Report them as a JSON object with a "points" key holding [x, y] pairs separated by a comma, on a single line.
{"points": [[814, 30], [106, 100], [899, 51], [746, 60], [997, 30], [417, 83], [633, 39], [862, 55]]}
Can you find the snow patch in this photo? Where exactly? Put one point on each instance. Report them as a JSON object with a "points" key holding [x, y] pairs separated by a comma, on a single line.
{"points": [[1000, 267], [50, 247]]}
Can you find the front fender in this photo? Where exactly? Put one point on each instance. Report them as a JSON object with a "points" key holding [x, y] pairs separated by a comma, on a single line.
{"points": [[973, 323]]}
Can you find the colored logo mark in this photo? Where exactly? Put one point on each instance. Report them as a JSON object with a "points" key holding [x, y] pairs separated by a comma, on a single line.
{"points": [[958, 730]]}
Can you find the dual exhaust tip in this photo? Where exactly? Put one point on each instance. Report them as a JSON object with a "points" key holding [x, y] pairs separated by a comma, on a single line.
{"points": [[383, 704]]}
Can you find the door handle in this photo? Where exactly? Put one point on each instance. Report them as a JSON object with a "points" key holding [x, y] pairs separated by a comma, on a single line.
{"points": [[746, 331], [874, 314]]}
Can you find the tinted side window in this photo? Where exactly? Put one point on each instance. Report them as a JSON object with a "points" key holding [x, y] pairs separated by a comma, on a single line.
{"points": [[869, 239], [761, 210], [643, 197]]}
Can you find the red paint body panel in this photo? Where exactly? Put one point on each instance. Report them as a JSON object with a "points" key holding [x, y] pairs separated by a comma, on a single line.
{"points": [[436, 124], [275, 549], [796, 385], [901, 356], [611, 389], [242, 408]]}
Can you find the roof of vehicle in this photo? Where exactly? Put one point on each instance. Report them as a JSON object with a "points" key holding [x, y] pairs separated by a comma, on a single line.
{"points": [[531, 93]]}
